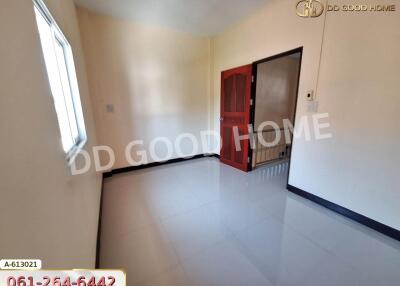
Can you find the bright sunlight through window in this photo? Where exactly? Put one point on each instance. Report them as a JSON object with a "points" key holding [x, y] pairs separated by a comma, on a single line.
{"points": [[63, 83]]}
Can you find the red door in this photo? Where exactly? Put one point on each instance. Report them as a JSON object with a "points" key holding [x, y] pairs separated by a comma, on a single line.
{"points": [[235, 112]]}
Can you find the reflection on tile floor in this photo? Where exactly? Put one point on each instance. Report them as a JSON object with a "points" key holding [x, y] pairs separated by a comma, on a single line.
{"points": [[201, 223]]}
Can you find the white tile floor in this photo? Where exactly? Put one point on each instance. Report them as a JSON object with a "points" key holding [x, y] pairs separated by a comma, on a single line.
{"points": [[201, 223]]}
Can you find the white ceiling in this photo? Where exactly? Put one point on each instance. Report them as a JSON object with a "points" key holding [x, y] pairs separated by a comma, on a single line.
{"points": [[199, 17]]}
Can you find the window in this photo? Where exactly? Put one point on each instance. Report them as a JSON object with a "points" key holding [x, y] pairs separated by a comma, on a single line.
{"points": [[63, 82]]}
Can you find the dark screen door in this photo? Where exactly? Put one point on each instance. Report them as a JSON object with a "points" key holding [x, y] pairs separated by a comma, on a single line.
{"points": [[235, 112]]}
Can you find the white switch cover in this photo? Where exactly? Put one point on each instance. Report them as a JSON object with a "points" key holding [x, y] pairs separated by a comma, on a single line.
{"points": [[312, 106]]}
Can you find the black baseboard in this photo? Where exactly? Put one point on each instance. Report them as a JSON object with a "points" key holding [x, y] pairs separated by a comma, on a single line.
{"points": [[155, 164], [382, 228], [97, 263]]}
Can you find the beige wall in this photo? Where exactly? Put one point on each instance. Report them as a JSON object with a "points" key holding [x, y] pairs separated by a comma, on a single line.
{"points": [[157, 79], [358, 87], [45, 212], [272, 30], [159, 83]]}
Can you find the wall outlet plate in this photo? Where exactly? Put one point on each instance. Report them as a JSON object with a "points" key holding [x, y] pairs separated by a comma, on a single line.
{"points": [[310, 95], [110, 108]]}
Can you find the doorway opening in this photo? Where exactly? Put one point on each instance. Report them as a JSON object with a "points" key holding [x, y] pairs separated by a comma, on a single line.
{"points": [[252, 95], [274, 97]]}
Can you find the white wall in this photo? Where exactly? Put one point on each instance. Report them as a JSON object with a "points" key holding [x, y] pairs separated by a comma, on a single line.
{"points": [[156, 78], [358, 86], [45, 212], [272, 30]]}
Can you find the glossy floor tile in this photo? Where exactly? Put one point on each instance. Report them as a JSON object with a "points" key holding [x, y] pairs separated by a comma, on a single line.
{"points": [[202, 223]]}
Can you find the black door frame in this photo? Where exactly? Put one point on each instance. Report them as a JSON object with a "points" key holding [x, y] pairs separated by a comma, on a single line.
{"points": [[253, 93]]}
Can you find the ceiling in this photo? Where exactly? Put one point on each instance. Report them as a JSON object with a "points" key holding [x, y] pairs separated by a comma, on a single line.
{"points": [[199, 17]]}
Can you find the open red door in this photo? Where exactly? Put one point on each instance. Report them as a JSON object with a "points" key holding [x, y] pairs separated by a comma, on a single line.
{"points": [[235, 111]]}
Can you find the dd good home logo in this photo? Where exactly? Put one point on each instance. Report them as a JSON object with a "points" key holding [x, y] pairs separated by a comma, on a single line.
{"points": [[309, 8]]}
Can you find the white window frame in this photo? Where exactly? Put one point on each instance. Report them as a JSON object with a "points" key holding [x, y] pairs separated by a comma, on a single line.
{"points": [[58, 37]]}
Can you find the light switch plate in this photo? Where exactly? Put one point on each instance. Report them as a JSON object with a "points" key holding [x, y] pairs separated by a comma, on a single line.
{"points": [[312, 106]]}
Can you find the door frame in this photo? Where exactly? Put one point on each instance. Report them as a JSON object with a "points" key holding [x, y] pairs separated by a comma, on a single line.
{"points": [[253, 92]]}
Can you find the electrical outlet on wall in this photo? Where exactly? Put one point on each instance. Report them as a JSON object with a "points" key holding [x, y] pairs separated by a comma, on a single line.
{"points": [[110, 108], [310, 95]]}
